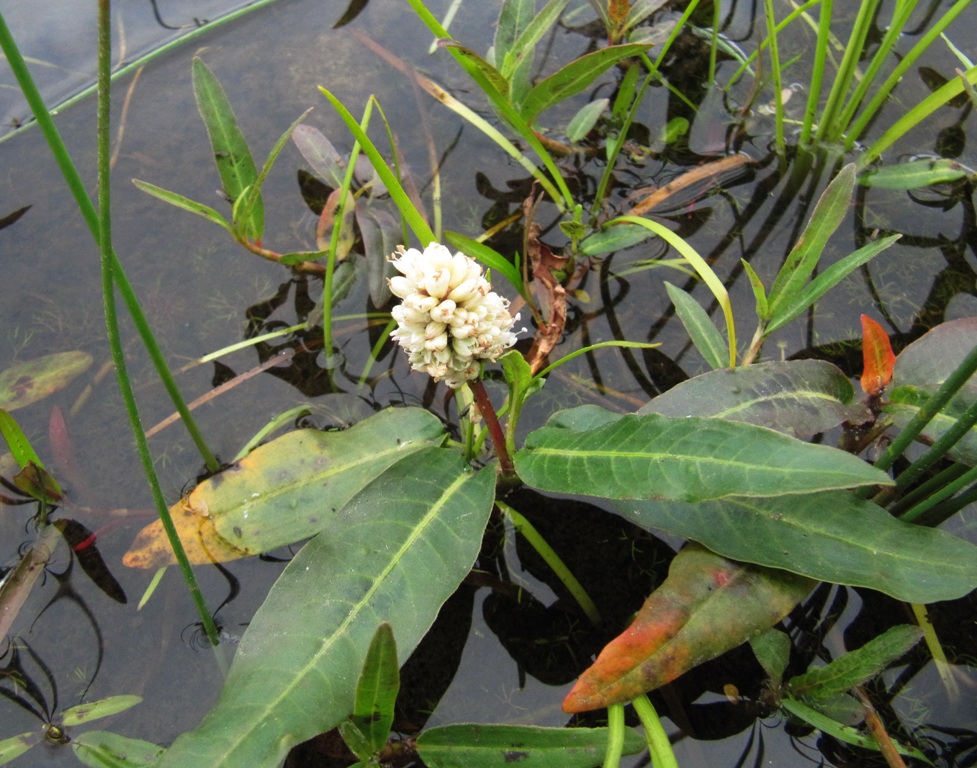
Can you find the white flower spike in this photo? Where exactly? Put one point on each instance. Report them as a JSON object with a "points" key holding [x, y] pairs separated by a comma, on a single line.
{"points": [[449, 318]]}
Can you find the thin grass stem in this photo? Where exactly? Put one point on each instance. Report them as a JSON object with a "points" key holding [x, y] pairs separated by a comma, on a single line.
{"points": [[817, 73], [965, 480], [868, 113], [916, 495], [828, 129], [778, 95], [87, 209], [108, 265], [555, 563]]}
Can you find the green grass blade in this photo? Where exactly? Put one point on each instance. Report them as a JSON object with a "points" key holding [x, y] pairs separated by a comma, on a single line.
{"points": [[178, 200], [701, 267]]}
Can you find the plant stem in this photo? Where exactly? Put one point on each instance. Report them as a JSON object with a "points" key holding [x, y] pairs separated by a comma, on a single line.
{"points": [[87, 208], [615, 736], [544, 550], [109, 270], [494, 428], [929, 410], [659, 746]]}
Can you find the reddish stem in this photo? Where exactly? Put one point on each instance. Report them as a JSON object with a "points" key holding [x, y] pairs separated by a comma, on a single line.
{"points": [[494, 428]]}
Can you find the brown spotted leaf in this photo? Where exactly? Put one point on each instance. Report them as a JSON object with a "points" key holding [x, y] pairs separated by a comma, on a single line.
{"points": [[33, 380]]}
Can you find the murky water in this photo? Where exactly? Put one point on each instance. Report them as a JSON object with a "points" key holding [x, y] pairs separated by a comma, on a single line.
{"points": [[196, 287]]}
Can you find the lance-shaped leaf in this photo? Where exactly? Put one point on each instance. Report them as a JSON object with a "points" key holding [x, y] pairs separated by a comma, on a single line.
{"points": [[878, 359], [804, 256], [592, 451], [235, 165], [395, 553], [574, 77], [855, 667], [95, 710], [798, 397], [491, 746], [832, 536], [100, 749], [284, 491], [367, 729], [705, 607], [33, 380]]}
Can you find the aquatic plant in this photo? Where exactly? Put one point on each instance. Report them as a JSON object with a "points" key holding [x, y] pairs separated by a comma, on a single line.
{"points": [[398, 505]]}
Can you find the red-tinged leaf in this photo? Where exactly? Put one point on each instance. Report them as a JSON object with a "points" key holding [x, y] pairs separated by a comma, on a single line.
{"points": [[879, 358], [82, 543], [705, 607]]}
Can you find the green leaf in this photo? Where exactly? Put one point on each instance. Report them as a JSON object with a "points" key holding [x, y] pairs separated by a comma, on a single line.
{"points": [[396, 552], [486, 746], [488, 256], [828, 214], [183, 202], [94, 710], [286, 490], [25, 383], [376, 694], [20, 447], [15, 746], [916, 173], [844, 733], [491, 75], [813, 291], [615, 238], [855, 667], [102, 749], [772, 650], [759, 292], [252, 209], [798, 397], [705, 607], [681, 459], [235, 165], [584, 121], [833, 536], [705, 336], [517, 60], [574, 77]]}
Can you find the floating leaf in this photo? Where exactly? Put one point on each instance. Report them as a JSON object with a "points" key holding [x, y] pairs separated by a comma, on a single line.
{"points": [[878, 359], [705, 607], [33, 380], [95, 710], [491, 746], [285, 490], [591, 451], [797, 397], [103, 749], [916, 173], [855, 667], [82, 543], [15, 746], [394, 553], [832, 536]]}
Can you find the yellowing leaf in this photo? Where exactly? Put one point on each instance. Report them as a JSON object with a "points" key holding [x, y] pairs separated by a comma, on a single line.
{"points": [[34, 380], [285, 490]]}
